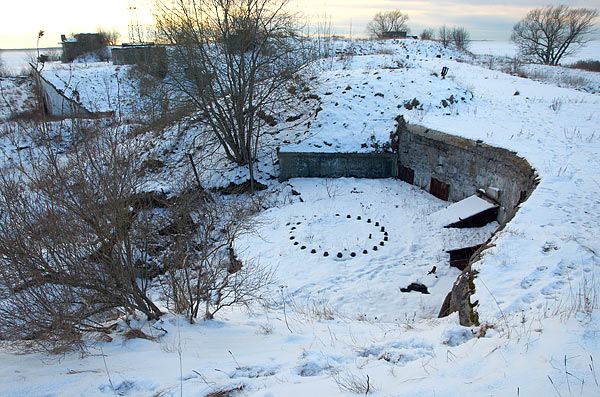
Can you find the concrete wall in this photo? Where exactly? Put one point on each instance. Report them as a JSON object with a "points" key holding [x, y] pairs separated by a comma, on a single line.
{"points": [[82, 43], [458, 165], [335, 165], [153, 58], [465, 166], [55, 103]]}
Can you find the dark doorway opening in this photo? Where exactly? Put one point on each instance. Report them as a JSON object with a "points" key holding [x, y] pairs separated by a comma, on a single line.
{"points": [[439, 189], [406, 174], [459, 258]]}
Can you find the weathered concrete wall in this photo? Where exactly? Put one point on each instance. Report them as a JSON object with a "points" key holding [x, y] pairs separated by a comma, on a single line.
{"points": [[55, 102], [465, 166], [444, 165], [80, 44], [153, 58], [335, 165]]}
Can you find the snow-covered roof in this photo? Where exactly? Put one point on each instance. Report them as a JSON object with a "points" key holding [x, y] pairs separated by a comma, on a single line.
{"points": [[464, 209]]}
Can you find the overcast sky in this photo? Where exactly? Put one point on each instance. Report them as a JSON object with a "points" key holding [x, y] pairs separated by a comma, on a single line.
{"points": [[484, 19]]}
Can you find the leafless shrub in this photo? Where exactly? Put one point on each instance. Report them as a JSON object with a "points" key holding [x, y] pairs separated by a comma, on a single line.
{"points": [[205, 274], [156, 101], [589, 65], [70, 239], [514, 67], [321, 310], [136, 333], [427, 34], [585, 299], [331, 187], [491, 62], [556, 104], [459, 37], [348, 382], [444, 36], [111, 37]]}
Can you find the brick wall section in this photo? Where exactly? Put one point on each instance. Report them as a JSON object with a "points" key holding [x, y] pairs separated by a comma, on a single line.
{"points": [[335, 165], [465, 166]]}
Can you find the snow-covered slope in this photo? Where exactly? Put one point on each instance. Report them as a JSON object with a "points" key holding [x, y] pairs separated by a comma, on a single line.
{"points": [[337, 326]]}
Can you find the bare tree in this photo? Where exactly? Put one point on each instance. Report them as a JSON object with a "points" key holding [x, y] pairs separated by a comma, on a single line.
{"points": [[427, 34], [111, 37], [210, 276], [444, 35], [459, 37], [548, 34], [71, 246], [387, 21], [235, 60]]}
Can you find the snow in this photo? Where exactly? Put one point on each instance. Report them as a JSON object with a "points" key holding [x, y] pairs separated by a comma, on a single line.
{"points": [[331, 321], [398, 228], [98, 86], [463, 209]]}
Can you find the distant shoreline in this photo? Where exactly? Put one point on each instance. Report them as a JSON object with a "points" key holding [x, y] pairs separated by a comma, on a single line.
{"points": [[29, 49]]}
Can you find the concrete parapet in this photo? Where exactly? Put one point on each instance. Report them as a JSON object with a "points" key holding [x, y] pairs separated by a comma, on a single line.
{"points": [[336, 165], [152, 58], [454, 168]]}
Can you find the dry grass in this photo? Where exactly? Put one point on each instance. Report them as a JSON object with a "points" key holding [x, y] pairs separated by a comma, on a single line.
{"points": [[136, 333], [226, 392], [589, 65], [348, 382]]}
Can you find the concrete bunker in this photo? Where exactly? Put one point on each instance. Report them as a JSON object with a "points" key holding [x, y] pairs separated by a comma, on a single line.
{"points": [[57, 104], [81, 44], [148, 56], [336, 165], [453, 168], [491, 182]]}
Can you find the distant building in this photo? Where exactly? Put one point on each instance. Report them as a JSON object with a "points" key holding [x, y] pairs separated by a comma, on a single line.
{"points": [[150, 57], [74, 47], [395, 34]]}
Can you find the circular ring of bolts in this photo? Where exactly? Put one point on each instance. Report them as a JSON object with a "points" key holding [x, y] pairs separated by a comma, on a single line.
{"points": [[381, 229]]}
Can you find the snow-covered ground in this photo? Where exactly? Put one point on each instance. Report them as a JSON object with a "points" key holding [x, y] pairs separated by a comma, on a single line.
{"points": [[98, 86], [357, 239], [337, 326]]}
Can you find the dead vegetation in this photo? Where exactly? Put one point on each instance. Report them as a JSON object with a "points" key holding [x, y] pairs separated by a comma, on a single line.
{"points": [[590, 65], [80, 239]]}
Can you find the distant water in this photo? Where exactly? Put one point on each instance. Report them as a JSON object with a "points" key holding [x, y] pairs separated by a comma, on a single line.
{"points": [[17, 60], [506, 48]]}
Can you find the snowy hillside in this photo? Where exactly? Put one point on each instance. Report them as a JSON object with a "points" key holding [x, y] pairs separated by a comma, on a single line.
{"points": [[337, 322]]}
